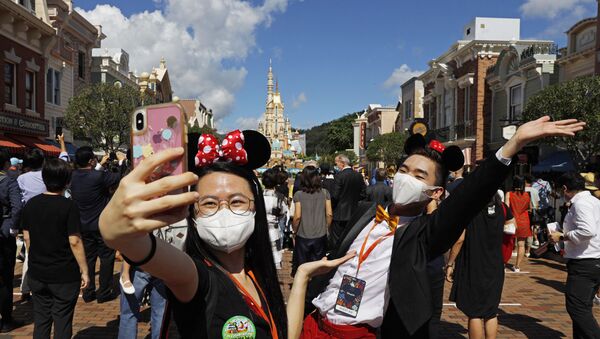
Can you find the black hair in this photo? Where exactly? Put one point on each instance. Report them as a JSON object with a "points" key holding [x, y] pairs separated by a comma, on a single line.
{"points": [[380, 174], [572, 181], [83, 155], [528, 178], [34, 159], [56, 174], [259, 257], [518, 183], [441, 172], [270, 178], [4, 158], [310, 181], [325, 169]]}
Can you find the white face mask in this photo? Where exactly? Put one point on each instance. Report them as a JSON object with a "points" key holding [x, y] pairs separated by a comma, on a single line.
{"points": [[408, 189], [226, 231]]}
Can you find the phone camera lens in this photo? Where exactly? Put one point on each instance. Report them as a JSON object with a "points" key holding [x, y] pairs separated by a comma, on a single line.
{"points": [[139, 121]]}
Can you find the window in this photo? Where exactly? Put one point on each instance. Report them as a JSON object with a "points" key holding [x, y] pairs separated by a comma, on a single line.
{"points": [[81, 65], [10, 90], [407, 109], [516, 103], [53, 86], [30, 90]]}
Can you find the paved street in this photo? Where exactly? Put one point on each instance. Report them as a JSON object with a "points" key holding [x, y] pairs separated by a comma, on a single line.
{"points": [[533, 307]]}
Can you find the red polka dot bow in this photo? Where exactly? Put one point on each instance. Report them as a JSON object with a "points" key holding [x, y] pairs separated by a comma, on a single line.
{"points": [[230, 150], [436, 145]]}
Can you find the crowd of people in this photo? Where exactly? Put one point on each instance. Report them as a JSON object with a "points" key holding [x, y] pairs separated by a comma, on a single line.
{"points": [[370, 254]]}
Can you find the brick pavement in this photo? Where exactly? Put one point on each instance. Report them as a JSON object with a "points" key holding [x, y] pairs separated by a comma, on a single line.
{"points": [[534, 309]]}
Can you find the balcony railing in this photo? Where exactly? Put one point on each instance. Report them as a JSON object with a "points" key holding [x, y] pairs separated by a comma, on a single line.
{"points": [[551, 49]]}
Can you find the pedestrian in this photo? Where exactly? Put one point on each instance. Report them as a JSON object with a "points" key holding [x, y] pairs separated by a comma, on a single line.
{"points": [[476, 269], [277, 209], [90, 192], [312, 217], [225, 280], [141, 283], [327, 178], [379, 192], [581, 238], [456, 177], [520, 205], [57, 265], [32, 184], [15, 167], [544, 192], [403, 245], [349, 188], [10, 212], [534, 214]]}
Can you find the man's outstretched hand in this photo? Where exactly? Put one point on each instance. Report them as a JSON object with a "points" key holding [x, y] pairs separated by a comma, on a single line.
{"points": [[539, 129]]}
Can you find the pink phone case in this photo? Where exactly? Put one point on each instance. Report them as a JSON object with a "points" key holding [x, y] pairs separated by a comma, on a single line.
{"points": [[165, 128]]}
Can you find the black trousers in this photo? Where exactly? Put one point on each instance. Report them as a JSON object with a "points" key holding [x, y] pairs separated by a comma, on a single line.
{"points": [[335, 232], [96, 248], [583, 280], [53, 303], [8, 250], [437, 278], [307, 250]]}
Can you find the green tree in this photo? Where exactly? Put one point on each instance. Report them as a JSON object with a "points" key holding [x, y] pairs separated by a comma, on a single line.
{"points": [[101, 113], [387, 147], [201, 130], [578, 99]]}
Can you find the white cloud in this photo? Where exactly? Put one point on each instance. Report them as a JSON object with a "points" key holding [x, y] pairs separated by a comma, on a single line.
{"points": [[399, 76], [551, 8], [299, 100], [243, 123], [195, 37]]}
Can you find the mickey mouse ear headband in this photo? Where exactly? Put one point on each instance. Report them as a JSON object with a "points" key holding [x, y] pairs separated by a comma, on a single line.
{"points": [[248, 149], [452, 156]]}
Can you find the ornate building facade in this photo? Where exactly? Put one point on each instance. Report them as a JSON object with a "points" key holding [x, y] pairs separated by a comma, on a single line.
{"points": [[274, 124]]}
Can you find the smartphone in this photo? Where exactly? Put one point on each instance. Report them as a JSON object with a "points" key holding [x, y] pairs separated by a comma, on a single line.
{"points": [[156, 128], [58, 132]]}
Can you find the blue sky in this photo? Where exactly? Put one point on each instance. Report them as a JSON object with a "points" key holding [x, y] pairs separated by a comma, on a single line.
{"points": [[334, 56]]}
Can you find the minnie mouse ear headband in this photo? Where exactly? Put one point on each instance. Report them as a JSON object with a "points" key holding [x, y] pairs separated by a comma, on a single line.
{"points": [[452, 157], [248, 149]]}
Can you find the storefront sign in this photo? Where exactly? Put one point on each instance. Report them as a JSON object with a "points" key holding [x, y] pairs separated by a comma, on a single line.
{"points": [[23, 124], [363, 136]]}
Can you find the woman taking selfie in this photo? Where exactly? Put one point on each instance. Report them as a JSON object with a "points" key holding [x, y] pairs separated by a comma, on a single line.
{"points": [[225, 284]]}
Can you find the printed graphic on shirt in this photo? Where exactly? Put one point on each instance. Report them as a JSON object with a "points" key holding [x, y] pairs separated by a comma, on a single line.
{"points": [[350, 295], [238, 327]]}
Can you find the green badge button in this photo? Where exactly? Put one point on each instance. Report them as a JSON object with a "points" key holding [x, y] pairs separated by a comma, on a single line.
{"points": [[238, 327]]}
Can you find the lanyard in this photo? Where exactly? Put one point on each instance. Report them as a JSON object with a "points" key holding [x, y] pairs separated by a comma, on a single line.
{"points": [[254, 305], [362, 255]]}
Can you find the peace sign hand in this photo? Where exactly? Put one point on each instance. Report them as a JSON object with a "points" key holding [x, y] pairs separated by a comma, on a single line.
{"points": [[138, 207]]}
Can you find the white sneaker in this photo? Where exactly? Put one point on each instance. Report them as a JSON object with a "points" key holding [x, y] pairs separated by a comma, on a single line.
{"points": [[516, 269], [596, 300], [527, 255], [536, 243]]}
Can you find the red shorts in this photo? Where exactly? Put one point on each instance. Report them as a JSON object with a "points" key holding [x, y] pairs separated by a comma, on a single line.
{"points": [[317, 327]]}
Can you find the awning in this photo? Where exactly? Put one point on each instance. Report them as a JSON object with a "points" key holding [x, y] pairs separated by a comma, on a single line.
{"points": [[11, 145], [32, 142], [71, 149], [556, 162]]}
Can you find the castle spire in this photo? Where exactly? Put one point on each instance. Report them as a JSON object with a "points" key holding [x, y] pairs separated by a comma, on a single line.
{"points": [[270, 82]]}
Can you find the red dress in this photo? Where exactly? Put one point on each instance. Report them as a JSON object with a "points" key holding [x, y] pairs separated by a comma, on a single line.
{"points": [[519, 206]]}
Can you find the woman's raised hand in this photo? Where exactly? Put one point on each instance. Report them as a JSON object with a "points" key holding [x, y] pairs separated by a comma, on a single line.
{"points": [[138, 207], [314, 268]]}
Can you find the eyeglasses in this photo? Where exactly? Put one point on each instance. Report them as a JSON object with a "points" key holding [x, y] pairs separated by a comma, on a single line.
{"points": [[238, 204]]}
